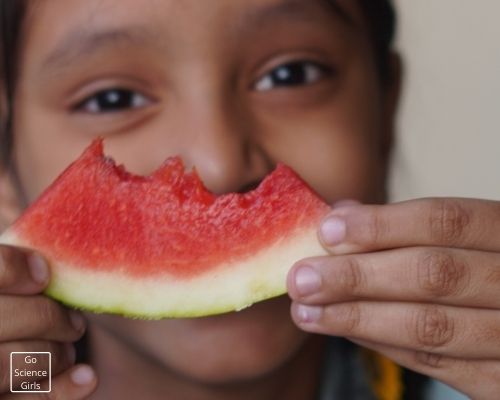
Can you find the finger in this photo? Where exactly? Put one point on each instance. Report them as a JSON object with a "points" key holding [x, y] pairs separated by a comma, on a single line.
{"points": [[346, 203], [460, 374], [450, 331], [464, 223], [22, 272], [423, 274], [77, 383], [38, 317], [62, 357]]}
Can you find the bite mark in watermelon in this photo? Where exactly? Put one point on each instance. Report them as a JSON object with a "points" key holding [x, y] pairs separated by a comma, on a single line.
{"points": [[163, 245]]}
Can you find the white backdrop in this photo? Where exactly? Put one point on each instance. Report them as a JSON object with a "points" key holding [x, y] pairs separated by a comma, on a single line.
{"points": [[449, 120]]}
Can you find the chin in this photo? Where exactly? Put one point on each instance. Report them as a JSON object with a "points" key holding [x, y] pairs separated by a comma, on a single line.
{"points": [[228, 348], [241, 345]]}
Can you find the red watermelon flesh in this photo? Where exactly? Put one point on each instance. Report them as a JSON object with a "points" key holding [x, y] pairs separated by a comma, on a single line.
{"points": [[163, 245]]}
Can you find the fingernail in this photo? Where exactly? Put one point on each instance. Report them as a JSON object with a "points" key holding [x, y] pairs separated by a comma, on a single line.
{"points": [[307, 280], [71, 352], [38, 268], [333, 231], [83, 375], [77, 320], [309, 313]]}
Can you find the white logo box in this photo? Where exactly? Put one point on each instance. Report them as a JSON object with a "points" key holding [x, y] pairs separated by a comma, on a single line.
{"points": [[29, 353]]}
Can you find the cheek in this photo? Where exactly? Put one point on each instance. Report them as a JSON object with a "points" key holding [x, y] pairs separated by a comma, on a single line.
{"points": [[43, 146], [337, 155]]}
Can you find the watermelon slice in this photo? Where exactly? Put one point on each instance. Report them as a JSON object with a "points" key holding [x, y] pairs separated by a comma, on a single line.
{"points": [[163, 245]]}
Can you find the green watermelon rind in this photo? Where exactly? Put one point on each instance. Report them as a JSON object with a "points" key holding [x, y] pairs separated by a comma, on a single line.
{"points": [[231, 287]]}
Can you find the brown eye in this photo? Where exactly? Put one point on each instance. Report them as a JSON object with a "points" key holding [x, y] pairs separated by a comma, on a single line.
{"points": [[113, 100], [297, 73]]}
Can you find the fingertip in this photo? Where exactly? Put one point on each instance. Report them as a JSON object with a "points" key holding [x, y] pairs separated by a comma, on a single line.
{"points": [[83, 375], [77, 320], [84, 380], [39, 269], [332, 231], [291, 281], [22, 271], [306, 317]]}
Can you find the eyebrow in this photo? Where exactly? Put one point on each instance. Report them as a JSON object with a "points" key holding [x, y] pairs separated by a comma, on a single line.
{"points": [[297, 9], [81, 43]]}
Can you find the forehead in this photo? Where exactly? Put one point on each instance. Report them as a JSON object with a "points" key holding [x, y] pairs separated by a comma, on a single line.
{"points": [[127, 6], [59, 31], [64, 14]]}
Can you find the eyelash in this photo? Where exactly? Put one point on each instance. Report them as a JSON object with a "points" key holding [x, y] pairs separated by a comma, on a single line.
{"points": [[288, 75], [293, 74], [118, 99]]}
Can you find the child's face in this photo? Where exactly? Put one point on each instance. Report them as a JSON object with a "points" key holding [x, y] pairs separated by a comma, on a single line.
{"points": [[231, 86]]}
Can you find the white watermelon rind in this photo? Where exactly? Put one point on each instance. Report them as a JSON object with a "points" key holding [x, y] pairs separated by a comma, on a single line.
{"points": [[230, 287]]}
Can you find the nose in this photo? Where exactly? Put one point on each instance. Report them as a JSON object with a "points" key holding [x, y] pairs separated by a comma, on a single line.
{"points": [[223, 147]]}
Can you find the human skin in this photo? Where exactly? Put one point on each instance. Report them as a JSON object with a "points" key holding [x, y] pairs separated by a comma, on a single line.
{"points": [[417, 281], [199, 73]]}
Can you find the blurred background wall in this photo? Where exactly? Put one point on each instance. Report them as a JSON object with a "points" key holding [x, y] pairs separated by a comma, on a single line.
{"points": [[449, 120]]}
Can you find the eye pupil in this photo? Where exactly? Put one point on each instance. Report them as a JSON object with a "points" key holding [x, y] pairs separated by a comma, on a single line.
{"points": [[290, 74], [113, 100], [293, 74]]}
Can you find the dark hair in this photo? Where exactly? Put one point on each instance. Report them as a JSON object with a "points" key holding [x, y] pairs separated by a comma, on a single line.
{"points": [[381, 19], [379, 14], [11, 17]]}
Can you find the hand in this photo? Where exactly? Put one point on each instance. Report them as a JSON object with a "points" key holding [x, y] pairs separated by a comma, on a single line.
{"points": [[31, 322], [418, 281]]}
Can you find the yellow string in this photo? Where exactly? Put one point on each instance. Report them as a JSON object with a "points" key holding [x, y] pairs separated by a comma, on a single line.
{"points": [[385, 376]]}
